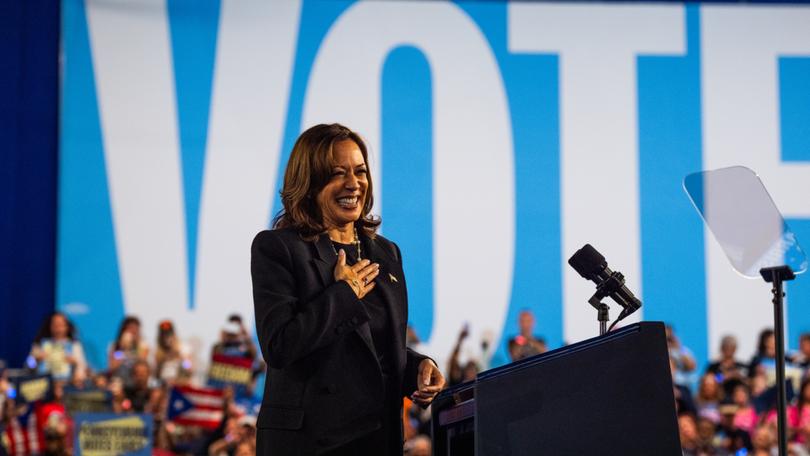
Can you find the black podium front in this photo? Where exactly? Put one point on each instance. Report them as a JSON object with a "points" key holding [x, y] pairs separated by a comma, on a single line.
{"points": [[610, 395]]}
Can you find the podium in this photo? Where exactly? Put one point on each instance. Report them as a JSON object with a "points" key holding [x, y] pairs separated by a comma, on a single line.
{"points": [[610, 395]]}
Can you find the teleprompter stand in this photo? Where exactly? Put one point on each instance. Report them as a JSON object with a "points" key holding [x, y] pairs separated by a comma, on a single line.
{"points": [[777, 276], [756, 239]]}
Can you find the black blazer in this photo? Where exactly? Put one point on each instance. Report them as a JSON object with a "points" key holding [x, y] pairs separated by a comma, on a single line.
{"points": [[324, 385]]}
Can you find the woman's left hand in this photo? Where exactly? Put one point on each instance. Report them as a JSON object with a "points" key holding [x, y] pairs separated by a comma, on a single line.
{"points": [[430, 382]]}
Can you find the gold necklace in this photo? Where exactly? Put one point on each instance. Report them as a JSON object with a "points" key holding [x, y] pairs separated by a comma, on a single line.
{"points": [[356, 243]]}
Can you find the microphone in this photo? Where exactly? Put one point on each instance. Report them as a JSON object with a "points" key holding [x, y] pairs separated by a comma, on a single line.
{"points": [[591, 265]]}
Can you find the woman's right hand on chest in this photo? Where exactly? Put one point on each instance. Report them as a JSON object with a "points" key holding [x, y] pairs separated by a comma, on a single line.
{"points": [[360, 276]]}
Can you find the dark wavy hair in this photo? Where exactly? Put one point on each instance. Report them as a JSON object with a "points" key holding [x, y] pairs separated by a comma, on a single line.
{"points": [[45, 329], [129, 319], [763, 336], [308, 171]]}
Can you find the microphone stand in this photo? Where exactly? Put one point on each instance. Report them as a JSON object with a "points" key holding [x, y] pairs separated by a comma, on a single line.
{"points": [[602, 310], [606, 288], [777, 275]]}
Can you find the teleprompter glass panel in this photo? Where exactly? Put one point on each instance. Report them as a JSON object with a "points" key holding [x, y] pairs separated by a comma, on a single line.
{"points": [[744, 219]]}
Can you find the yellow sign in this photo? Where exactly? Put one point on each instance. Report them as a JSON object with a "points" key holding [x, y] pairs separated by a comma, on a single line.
{"points": [[112, 437], [230, 374], [34, 390]]}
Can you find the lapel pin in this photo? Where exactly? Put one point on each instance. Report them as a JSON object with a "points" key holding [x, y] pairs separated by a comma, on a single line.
{"points": [[393, 279]]}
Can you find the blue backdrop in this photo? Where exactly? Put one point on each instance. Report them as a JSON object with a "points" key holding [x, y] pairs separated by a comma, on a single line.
{"points": [[669, 146], [29, 87]]}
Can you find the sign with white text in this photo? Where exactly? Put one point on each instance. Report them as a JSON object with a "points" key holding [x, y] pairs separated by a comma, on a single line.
{"points": [[503, 137]]}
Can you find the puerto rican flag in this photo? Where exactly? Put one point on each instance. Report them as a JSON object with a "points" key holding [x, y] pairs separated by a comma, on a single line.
{"points": [[191, 406], [23, 435]]}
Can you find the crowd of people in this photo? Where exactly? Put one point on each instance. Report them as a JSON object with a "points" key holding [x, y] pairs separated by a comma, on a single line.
{"points": [[139, 379], [731, 409], [726, 408]]}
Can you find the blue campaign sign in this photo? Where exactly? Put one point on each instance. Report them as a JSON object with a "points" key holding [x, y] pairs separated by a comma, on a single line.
{"points": [[107, 433], [233, 371], [503, 137], [32, 388]]}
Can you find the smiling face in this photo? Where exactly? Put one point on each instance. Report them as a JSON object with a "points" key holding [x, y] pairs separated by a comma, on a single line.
{"points": [[342, 199]]}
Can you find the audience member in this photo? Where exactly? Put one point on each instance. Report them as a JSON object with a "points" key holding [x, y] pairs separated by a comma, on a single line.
{"points": [[706, 430], [172, 357], [688, 434], [138, 393], [728, 437], [56, 431], [746, 417], [456, 373], [56, 349], [759, 384], [127, 348], [708, 398], [246, 448], [720, 418], [453, 365], [763, 440], [684, 401], [235, 340], [526, 343], [802, 357], [764, 361], [798, 415], [238, 431], [682, 357], [727, 367]]}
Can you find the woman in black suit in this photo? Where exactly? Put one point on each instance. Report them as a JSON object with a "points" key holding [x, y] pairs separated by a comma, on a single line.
{"points": [[331, 311]]}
